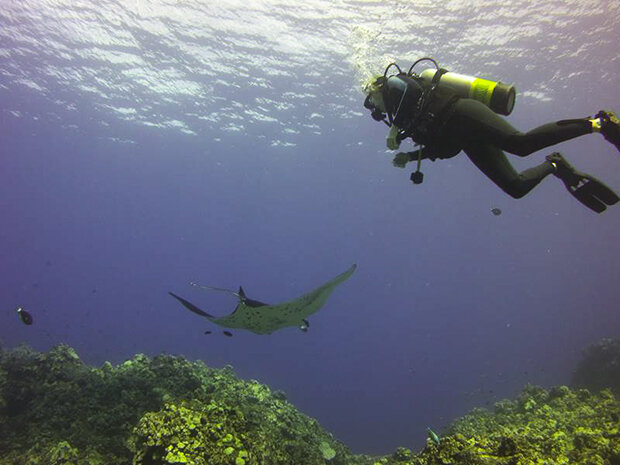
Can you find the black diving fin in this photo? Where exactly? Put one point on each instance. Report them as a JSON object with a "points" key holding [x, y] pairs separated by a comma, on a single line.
{"points": [[591, 192]]}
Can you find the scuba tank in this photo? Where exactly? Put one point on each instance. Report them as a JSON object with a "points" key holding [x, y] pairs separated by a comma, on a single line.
{"points": [[498, 96]]}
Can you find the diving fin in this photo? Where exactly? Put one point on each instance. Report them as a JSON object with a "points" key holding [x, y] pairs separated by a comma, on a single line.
{"points": [[609, 126], [588, 190]]}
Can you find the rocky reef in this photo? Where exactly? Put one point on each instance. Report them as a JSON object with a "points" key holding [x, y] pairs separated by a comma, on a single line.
{"points": [[599, 367], [556, 426], [54, 410]]}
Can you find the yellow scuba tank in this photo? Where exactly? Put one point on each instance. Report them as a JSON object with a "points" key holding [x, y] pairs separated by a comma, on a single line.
{"points": [[497, 96]]}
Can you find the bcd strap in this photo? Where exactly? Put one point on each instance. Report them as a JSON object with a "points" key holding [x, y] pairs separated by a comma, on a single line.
{"points": [[440, 72], [425, 100]]}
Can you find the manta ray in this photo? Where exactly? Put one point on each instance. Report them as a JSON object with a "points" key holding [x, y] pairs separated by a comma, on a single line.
{"points": [[262, 318]]}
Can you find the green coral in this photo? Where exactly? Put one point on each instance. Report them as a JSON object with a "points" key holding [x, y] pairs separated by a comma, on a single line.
{"points": [[63, 453], [57, 397], [145, 407], [55, 410], [541, 426], [228, 433], [326, 450]]}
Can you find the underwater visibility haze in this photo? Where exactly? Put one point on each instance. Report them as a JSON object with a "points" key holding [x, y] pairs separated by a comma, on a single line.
{"points": [[148, 144]]}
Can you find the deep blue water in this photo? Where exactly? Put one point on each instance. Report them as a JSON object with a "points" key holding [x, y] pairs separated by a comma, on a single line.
{"points": [[145, 145]]}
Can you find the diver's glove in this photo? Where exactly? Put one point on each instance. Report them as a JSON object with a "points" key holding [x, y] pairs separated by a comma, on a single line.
{"points": [[393, 139], [402, 158]]}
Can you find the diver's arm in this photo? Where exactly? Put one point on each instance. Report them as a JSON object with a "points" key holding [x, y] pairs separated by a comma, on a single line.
{"points": [[393, 138], [402, 158]]}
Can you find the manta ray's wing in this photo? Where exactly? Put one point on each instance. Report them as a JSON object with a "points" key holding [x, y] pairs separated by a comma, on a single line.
{"points": [[265, 319], [244, 303], [191, 307]]}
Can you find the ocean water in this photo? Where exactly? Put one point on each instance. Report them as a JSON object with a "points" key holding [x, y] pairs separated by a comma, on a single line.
{"points": [[148, 144]]}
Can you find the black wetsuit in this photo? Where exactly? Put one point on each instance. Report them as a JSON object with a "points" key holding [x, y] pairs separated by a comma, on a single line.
{"points": [[450, 124]]}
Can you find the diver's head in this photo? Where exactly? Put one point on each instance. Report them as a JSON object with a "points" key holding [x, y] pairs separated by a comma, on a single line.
{"points": [[374, 98]]}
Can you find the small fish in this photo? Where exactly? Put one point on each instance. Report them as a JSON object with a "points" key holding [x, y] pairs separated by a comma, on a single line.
{"points": [[433, 436], [227, 333], [24, 316], [208, 332], [496, 211]]}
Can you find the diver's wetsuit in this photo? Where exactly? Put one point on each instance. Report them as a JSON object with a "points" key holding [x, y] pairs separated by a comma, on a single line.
{"points": [[472, 127]]}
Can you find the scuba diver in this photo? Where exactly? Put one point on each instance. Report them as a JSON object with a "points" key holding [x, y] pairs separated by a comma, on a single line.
{"points": [[445, 113]]}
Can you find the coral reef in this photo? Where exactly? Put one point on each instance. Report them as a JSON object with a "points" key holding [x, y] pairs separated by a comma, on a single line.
{"points": [[557, 426], [242, 423], [165, 410], [54, 409], [599, 367]]}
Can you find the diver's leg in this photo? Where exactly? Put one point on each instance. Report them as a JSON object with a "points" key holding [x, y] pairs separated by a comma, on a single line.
{"points": [[475, 121], [494, 164], [546, 135]]}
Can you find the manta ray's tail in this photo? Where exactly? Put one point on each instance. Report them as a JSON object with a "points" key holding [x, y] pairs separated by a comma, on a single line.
{"points": [[219, 289], [190, 306]]}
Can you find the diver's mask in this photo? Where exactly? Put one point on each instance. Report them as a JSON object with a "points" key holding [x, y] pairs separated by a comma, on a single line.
{"points": [[374, 99], [376, 113]]}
